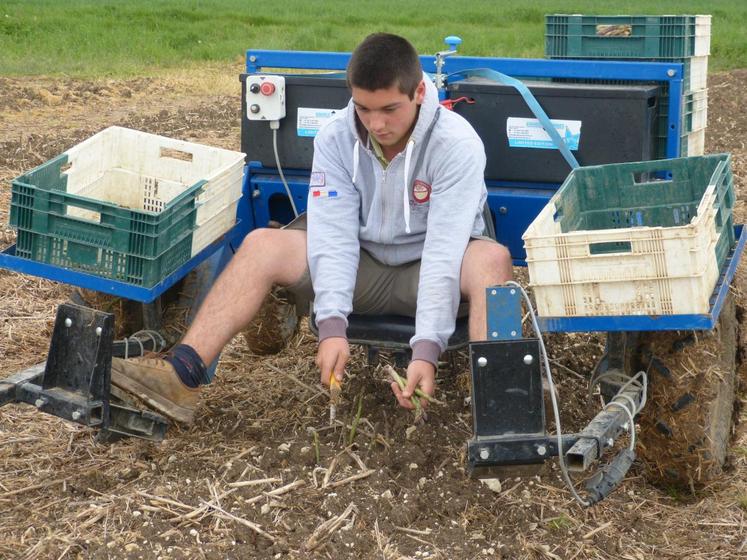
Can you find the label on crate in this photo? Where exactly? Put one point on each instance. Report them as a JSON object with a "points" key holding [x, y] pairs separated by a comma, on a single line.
{"points": [[309, 121], [528, 133], [614, 30]]}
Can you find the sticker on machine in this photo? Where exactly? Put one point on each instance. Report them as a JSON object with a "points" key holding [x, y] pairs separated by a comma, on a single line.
{"points": [[309, 121], [528, 133]]}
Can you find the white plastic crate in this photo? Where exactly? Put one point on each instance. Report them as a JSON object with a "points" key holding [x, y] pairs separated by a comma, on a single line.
{"points": [[697, 68], [223, 191], [145, 171], [656, 271], [699, 118], [695, 143], [216, 226], [702, 35]]}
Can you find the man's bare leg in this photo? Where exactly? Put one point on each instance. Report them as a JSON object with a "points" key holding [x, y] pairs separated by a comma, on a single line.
{"points": [[485, 264], [266, 257]]}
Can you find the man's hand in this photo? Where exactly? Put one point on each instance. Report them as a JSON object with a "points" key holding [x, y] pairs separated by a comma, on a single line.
{"points": [[332, 357], [420, 374]]}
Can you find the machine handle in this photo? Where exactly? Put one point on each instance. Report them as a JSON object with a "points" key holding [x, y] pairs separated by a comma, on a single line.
{"points": [[453, 42]]}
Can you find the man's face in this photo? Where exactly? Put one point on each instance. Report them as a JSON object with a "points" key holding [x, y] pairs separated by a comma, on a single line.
{"points": [[388, 114]]}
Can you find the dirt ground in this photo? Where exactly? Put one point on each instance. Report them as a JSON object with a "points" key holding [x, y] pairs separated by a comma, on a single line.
{"points": [[379, 490]]}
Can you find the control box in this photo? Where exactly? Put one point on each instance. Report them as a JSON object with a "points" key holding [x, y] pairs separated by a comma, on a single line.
{"points": [[310, 101], [265, 98]]}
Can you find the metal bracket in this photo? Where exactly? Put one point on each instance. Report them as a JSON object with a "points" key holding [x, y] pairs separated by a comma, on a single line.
{"points": [[503, 313], [75, 381], [507, 405], [507, 388], [514, 449]]}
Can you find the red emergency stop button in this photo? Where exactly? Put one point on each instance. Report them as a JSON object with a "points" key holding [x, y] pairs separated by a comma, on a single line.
{"points": [[267, 88]]}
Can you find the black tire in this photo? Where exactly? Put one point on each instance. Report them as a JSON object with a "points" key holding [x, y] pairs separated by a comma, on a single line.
{"points": [[273, 326], [687, 424], [176, 309], [128, 315]]}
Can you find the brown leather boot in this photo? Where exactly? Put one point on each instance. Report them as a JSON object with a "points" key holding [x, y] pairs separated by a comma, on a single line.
{"points": [[154, 381]]}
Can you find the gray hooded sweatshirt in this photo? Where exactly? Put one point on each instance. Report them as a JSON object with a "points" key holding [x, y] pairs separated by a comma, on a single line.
{"points": [[425, 205]]}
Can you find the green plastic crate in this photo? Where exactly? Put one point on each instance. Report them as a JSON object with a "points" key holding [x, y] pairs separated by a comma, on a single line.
{"points": [[125, 204], [627, 37], [82, 256], [691, 144], [694, 72], [640, 194], [39, 204], [694, 112]]}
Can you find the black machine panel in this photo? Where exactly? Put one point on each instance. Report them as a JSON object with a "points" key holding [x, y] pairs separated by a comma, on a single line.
{"points": [[617, 125], [506, 387], [294, 148]]}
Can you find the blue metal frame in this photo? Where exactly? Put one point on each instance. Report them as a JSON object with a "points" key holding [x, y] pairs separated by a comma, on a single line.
{"points": [[670, 73], [512, 202], [9, 261], [520, 201], [510, 205]]}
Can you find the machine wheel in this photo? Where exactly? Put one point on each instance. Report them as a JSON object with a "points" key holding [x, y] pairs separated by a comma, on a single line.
{"points": [[273, 326], [687, 424], [175, 310], [127, 313]]}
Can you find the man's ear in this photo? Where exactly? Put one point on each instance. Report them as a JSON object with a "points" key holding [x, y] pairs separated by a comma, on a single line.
{"points": [[420, 93]]}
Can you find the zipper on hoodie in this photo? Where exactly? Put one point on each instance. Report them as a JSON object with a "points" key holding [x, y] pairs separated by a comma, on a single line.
{"points": [[386, 217], [383, 186], [383, 201]]}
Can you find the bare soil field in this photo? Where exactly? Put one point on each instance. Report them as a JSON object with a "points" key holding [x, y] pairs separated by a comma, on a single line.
{"points": [[377, 490]]}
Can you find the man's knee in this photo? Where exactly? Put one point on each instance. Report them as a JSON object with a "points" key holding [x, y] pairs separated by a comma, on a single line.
{"points": [[485, 264], [495, 263], [501, 260], [486, 258], [258, 236], [277, 253]]}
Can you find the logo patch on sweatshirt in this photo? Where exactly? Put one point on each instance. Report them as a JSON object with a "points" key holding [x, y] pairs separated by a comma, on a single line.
{"points": [[323, 193], [317, 179], [421, 191]]}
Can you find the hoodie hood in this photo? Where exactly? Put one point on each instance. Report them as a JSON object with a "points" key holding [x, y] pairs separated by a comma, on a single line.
{"points": [[425, 119]]}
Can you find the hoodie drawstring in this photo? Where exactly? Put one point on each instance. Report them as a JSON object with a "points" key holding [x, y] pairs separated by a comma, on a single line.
{"points": [[405, 193], [356, 159]]}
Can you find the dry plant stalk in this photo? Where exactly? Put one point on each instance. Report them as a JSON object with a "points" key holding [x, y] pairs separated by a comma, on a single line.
{"points": [[334, 397], [326, 529], [253, 526]]}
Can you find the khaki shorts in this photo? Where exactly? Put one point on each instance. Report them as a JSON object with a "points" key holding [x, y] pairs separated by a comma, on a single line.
{"points": [[380, 289]]}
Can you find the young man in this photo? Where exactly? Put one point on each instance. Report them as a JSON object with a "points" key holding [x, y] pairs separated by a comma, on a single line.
{"points": [[394, 226]]}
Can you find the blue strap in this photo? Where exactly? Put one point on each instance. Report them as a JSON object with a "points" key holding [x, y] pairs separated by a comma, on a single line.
{"points": [[535, 107]]}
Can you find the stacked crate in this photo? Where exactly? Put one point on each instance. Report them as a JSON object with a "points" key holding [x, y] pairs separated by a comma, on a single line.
{"points": [[126, 205], [682, 39], [642, 238]]}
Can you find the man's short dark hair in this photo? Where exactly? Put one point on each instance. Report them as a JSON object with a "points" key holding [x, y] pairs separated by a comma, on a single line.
{"points": [[384, 60]]}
